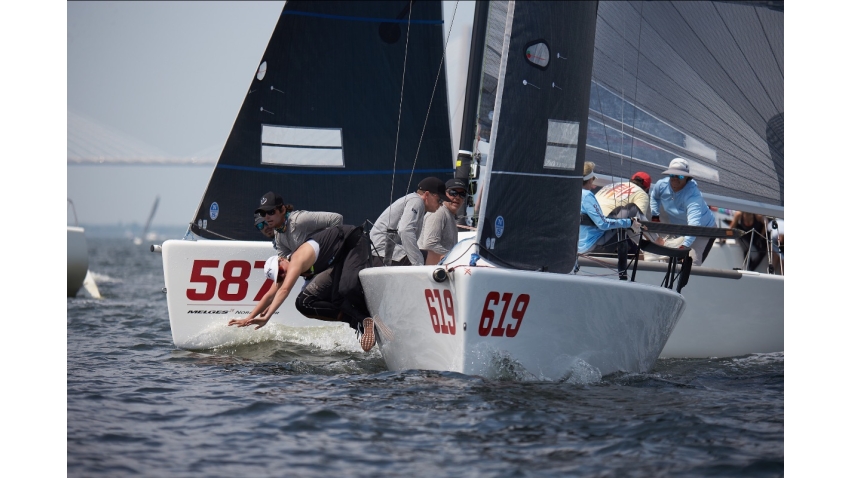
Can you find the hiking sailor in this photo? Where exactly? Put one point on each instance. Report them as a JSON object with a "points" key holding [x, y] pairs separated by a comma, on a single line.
{"points": [[397, 229]]}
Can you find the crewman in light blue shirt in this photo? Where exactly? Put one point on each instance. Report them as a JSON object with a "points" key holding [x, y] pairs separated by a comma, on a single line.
{"points": [[678, 195], [603, 236]]}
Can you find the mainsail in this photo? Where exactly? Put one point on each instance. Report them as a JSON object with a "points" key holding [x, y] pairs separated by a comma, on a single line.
{"points": [[532, 188], [698, 80], [324, 122]]}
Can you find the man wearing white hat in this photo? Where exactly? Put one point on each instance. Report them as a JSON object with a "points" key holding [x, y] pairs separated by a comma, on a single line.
{"points": [[678, 195]]}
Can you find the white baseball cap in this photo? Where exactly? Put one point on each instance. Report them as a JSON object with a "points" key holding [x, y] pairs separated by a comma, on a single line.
{"points": [[271, 267]]}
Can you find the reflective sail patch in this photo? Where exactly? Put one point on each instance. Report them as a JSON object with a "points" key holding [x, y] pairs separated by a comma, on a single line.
{"points": [[290, 146], [561, 145], [537, 53]]}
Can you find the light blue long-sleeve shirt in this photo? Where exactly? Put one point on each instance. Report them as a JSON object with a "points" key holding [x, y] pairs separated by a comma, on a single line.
{"points": [[686, 207], [588, 235]]}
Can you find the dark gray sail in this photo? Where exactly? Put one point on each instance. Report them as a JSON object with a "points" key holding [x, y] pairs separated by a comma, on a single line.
{"points": [[532, 188], [699, 80], [322, 124]]}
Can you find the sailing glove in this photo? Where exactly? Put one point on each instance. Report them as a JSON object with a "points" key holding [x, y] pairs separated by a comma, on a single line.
{"points": [[635, 227]]}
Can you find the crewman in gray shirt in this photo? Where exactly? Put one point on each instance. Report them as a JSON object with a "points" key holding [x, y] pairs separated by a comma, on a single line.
{"points": [[439, 232], [291, 228], [400, 224]]}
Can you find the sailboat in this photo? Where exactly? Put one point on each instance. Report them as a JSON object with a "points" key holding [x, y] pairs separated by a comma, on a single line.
{"points": [[146, 231], [507, 298], [703, 81], [346, 110], [79, 275]]}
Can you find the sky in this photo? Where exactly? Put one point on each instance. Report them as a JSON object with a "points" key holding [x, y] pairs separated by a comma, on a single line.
{"points": [[163, 80]]}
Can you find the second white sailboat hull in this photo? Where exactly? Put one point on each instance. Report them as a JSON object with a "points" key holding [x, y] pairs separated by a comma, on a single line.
{"points": [[730, 313], [489, 321]]}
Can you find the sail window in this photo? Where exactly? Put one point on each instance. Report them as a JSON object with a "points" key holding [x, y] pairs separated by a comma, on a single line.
{"points": [[291, 146], [537, 53], [561, 145], [614, 142], [261, 71], [616, 112]]}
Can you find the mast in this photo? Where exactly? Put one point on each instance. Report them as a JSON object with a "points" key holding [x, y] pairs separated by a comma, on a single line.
{"points": [[473, 89]]}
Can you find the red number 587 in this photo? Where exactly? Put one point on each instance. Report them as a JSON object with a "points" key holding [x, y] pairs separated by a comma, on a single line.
{"points": [[233, 286]]}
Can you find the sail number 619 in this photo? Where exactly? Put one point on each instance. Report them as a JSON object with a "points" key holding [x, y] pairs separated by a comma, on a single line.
{"points": [[487, 325]]}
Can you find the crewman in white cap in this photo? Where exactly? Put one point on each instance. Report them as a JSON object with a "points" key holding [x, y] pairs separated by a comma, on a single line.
{"points": [[678, 195]]}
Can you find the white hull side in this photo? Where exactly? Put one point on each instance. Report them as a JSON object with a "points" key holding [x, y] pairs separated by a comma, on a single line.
{"points": [[78, 259], [200, 309], [567, 323], [729, 313]]}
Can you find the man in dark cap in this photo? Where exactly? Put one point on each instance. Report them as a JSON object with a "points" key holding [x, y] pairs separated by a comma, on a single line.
{"points": [[439, 233], [397, 229], [292, 227]]}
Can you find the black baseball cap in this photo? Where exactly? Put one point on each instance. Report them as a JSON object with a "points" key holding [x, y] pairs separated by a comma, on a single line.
{"points": [[456, 183], [269, 201], [435, 186]]}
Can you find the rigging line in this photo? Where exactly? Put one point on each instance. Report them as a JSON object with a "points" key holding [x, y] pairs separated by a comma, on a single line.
{"points": [[622, 92], [635, 101], [401, 99], [431, 101], [735, 40]]}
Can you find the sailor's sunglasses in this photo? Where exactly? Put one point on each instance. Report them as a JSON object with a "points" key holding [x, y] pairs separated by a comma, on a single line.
{"points": [[453, 193], [262, 225], [267, 213], [677, 176]]}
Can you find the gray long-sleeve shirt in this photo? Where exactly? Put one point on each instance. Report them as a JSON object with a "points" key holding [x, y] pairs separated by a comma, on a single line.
{"points": [[407, 213], [439, 233], [299, 226]]}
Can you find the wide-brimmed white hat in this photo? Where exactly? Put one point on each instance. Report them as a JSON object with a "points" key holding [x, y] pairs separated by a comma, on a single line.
{"points": [[271, 268], [678, 166]]}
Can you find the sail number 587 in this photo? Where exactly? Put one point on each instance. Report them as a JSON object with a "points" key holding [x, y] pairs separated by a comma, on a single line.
{"points": [[233, 286]]}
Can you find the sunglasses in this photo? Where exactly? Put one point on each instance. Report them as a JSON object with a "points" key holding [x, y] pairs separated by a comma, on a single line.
{"points": [[267, 213], [676, 176], [453, 193], [262, 225]]}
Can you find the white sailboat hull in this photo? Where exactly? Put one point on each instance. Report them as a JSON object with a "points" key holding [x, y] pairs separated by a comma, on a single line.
{"points": [[78, 259], [489, 321], [209, 282], [730, 313]]}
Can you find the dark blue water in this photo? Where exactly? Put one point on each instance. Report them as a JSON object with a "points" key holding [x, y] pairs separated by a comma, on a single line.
{"points": [[308, 407]]}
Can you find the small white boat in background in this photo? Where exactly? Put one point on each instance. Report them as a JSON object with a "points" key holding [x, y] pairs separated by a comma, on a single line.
{"points": [[146, 235], [78, 261]]}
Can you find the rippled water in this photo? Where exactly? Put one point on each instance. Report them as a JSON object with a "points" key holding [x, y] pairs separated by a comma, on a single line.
{"points": [[307, 402]]}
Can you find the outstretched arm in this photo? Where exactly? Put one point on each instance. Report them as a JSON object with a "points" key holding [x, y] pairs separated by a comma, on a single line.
{"points": [[301, 260]]}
